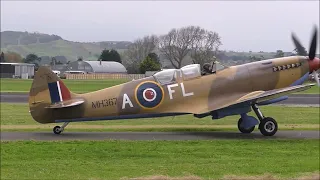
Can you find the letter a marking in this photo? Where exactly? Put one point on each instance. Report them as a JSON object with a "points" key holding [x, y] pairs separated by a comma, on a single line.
{"points": [[126, 100]]}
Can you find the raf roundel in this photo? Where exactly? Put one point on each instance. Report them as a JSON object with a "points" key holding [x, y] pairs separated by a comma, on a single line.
{"points": [[149, 94]]}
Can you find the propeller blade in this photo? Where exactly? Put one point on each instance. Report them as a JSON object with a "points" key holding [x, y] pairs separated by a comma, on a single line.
{"points": [[313, 46], [300, 49], [316, 77]]}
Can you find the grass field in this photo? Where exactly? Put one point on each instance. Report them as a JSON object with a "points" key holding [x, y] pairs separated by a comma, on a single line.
{"points": [[77, 86], [83, 86], [118, 159], [17, 117]]}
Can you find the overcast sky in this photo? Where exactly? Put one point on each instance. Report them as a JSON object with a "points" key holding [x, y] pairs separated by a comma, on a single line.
{"points": [[242, 25]]}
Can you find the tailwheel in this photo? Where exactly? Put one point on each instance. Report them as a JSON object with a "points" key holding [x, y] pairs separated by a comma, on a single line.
{"points": [[268, 126], [244, 130], [57, 130]]}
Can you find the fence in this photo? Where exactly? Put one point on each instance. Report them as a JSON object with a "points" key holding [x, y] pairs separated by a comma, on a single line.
{"points": [[105, 76]]}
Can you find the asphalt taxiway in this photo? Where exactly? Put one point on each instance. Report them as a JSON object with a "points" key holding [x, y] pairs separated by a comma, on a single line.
{"points": [[294, 99], [14, 97], [50, 136]]}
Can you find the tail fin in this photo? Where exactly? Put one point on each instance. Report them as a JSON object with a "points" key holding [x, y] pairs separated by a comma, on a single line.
{"points": [[48, 86], [47, 92]]}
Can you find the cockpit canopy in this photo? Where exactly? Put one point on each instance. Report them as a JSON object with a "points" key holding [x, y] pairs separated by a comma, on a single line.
{"points": [[185, 73], [169, 76]]}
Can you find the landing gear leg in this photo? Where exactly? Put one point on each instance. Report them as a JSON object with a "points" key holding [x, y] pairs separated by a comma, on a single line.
{"points": [[268, 126], [58, 129]]}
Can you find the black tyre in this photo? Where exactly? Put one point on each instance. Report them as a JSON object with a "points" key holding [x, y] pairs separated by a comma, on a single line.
{"points": [[244, 130], [268, 126], [57, 130]]}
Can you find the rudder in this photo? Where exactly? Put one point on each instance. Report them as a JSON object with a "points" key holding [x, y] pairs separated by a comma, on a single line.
{"points": [[58, 92]]}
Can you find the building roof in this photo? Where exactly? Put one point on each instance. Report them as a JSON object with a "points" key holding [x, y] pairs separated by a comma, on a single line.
{"points": [[59, 67], [107, 67], [25, 64], [45, 60], [61, 59]]}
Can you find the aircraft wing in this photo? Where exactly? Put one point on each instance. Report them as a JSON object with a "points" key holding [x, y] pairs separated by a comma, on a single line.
{"points": [[273, 94], [262, 96]]}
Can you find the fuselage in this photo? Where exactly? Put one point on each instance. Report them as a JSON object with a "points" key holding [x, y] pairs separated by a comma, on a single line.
{"points": [[159, 94]]}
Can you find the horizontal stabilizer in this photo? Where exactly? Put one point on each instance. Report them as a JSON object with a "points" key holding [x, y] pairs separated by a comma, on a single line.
{"points": [[67, 103]]}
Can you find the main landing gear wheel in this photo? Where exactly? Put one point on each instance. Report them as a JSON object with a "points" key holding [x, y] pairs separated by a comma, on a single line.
{"points": [[244, 130], [268, 126], [58, 129]]}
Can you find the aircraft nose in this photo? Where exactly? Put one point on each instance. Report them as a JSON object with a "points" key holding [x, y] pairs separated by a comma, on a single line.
{"points": [[314, 64]]}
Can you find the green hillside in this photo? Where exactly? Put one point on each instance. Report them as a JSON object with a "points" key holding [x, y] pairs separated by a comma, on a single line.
{"points": [[54, 48], [25, 43], [25, 38]]}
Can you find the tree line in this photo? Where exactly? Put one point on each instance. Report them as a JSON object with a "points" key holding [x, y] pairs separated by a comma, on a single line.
{"points": [[149, 63], [200, 44], [13, 57]]}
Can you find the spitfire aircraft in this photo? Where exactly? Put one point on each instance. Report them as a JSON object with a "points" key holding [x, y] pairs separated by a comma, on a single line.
{"points": [[222, 91]]}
